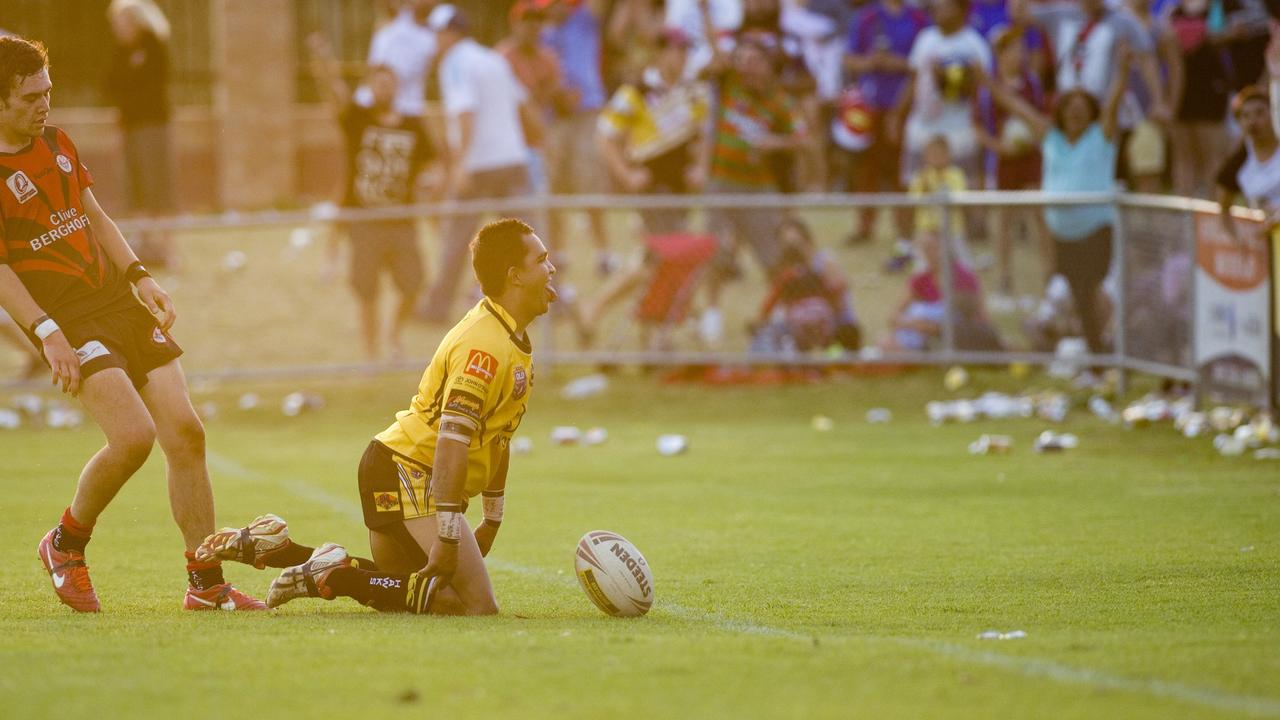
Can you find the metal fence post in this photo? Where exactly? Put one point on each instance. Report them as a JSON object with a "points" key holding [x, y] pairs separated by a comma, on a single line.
{"points": [[1119, 351], [943, 201]]}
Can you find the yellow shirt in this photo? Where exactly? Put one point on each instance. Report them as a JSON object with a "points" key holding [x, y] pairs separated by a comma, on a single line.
{"points": [[928, 181], [481, 377], [652, 118]]}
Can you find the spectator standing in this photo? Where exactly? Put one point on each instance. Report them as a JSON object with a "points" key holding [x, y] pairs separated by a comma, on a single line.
{"points": [[1020, 24], [1200, 99], [1089, 38], [408, 47], [632, 28], [1017, 159], [486, 114], [879, 45], [138, 84], [710, 24], [385, 153], [750, 122], [1079, 145], [651, 134], [1145, 161], [1254, 170], [538, 70], [945, 61], [574, 35]]}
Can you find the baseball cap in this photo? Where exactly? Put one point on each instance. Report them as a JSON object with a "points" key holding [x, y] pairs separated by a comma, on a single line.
{"points": [[446, 17]]}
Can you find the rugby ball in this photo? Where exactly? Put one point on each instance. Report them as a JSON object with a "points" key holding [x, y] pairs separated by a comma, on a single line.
{"points": [[614, 574]]}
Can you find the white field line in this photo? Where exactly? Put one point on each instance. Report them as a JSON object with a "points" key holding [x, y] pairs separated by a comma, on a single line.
{"points": [[1027, 667]]}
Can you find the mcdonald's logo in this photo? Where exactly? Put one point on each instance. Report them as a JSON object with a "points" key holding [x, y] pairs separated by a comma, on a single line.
{"points": [[482, 365]]}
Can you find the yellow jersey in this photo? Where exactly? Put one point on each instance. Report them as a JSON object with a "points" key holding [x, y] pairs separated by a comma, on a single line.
{"points": [[479, 378]]}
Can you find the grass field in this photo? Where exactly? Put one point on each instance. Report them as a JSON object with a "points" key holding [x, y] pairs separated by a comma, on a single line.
{"points": [[798, 574]]}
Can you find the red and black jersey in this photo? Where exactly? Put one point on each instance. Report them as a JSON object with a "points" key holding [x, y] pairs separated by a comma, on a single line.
{"points": [[45, 235]]}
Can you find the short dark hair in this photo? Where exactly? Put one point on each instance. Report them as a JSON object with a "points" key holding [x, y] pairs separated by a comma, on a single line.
{"points": [[498, 247], [19, 58]]}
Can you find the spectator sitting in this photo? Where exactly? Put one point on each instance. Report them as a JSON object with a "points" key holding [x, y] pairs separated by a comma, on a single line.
{"points": [[808, 306], [917, 324]]}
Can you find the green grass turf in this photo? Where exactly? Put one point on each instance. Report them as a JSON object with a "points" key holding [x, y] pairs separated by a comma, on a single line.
{"points": [[798, 574]]}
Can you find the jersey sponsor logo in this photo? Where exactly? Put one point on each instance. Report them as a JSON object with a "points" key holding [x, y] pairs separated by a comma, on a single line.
{"points": [[157, 337], [65, 222], [521, 382], [64, 163], [464, 404], [386, 502], [91, 350], [482, 365], [21, 187]]}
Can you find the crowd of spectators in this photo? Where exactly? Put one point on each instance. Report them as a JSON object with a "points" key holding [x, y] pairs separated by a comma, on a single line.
{"points": [[776, 96]]}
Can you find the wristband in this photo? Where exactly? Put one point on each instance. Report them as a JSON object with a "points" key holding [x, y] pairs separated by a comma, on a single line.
{"points": [[493, 505], [135, 272], [44, 327], [449, 523]]}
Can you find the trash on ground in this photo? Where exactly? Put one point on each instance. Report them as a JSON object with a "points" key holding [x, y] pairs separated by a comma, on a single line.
{"points": [[672, 444], [991, 445], [585, 386], [566, 435]]}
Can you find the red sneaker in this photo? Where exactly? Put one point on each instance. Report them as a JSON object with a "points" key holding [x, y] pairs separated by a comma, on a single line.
{"points": [[70, 576], [220, 597]]}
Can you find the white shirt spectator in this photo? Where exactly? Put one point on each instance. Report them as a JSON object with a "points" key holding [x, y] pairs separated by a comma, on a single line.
{"points": [[1086, 53], [407, 48], [475, 79], [726, 17], [932, 111]]}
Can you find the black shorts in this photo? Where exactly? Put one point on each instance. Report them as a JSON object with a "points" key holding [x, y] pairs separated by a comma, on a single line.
{"points": [[129, 339], [390, 245], [393, 488]]}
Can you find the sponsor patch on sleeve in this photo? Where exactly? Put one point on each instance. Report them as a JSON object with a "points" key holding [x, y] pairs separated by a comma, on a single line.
{"points": [[482, 365], [464, 404]]}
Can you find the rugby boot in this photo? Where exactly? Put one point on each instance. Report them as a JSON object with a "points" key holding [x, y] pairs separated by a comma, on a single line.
{"points": [[222, 596], [249, 545], [69, 574], [308, 579]]}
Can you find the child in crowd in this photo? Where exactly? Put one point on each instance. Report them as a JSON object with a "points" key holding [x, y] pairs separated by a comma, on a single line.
{"points": [[918, 322], [808, 306], [937, 173]]}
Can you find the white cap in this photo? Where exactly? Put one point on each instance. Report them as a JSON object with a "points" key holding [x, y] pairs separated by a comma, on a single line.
{"points": [[442, 17]]}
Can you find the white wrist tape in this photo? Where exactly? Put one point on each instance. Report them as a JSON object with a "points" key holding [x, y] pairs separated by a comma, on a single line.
{"points": [[449, 525], [46, 328], [493, 505]]}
